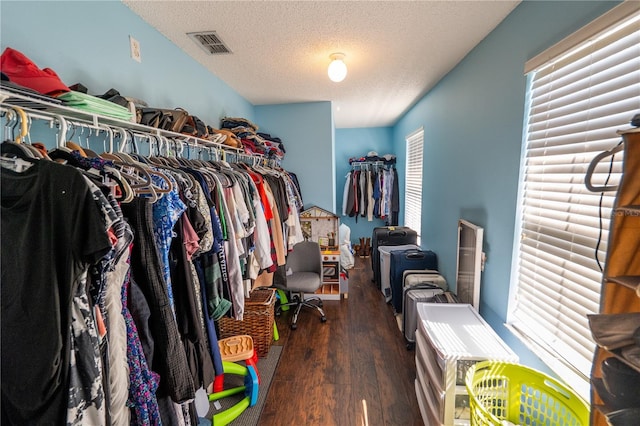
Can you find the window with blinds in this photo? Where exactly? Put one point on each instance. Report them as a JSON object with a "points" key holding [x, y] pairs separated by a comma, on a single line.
{"points": [[413, 182], [577, 102]]}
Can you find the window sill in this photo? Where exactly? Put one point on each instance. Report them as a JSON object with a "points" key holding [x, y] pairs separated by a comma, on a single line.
{"points": [[562, 369]]}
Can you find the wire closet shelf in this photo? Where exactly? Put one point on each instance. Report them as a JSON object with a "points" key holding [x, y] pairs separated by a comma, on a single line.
{"points": [[63, 116]]}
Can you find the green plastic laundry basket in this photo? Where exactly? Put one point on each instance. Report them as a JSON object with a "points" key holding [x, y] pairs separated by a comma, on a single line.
{"points": [[503, 393]]}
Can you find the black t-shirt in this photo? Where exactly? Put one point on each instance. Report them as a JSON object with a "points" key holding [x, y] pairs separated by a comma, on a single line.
{"points": [[52, 230]]}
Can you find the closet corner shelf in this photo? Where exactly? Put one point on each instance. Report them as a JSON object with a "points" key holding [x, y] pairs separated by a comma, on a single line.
{"points": [[629, 281]]}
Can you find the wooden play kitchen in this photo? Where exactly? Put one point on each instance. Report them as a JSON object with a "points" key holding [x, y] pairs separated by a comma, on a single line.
{"points": [[322, 226]]}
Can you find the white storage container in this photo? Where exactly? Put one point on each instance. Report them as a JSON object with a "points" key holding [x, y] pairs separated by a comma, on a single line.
{"points": [[385, 267], [449, 339]]}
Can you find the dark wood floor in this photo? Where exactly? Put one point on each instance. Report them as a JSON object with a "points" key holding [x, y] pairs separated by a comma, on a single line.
{"points": [[352, 370]]}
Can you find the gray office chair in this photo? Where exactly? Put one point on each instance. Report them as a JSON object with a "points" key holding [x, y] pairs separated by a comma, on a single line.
{"points": [[303, 276]]}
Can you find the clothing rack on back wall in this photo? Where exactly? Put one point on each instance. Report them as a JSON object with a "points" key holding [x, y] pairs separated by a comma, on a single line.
{"points": [[139, 255], [371, 189], [367, 165]]}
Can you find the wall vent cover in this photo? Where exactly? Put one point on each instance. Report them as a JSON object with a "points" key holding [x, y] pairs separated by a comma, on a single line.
{"points": [[210, 42]]}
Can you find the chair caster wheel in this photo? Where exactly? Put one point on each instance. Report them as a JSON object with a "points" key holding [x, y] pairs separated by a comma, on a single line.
{"points": [[410, 346], [323, 319], [294, 326]]}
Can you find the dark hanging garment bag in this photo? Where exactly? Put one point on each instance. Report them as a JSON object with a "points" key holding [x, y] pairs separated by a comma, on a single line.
{"points": [[388, 236], [405, 260]]}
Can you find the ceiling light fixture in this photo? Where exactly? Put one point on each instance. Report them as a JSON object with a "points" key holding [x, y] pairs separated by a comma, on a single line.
{"points": [[337, 68]]}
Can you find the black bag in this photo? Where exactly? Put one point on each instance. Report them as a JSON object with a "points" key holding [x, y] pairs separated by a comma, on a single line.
{"points": [[112, 95], [172, 120], [193, 126]]}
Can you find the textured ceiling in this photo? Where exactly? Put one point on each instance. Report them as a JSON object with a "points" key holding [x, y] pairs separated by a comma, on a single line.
{"points": [[395, 50]]}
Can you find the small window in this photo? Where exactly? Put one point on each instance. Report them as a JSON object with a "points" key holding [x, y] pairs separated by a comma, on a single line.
{"points": [[413, 182]]}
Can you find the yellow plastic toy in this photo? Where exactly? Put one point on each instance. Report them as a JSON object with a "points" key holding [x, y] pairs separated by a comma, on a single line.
{"points": [[232, 350], [250, 389]]}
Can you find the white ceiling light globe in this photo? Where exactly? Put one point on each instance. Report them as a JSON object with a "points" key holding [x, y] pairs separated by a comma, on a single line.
{"points": [[337, 68]]}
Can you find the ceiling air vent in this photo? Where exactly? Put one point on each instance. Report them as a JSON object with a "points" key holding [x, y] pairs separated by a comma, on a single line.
{"points": [[210, 42]]}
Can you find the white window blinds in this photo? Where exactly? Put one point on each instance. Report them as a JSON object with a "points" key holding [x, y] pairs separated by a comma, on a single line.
{"points": [[577, 103], [413, 182]]}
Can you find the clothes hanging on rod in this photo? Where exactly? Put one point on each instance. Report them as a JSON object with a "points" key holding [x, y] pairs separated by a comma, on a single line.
{"points": [[130, 289], [371, 191]]}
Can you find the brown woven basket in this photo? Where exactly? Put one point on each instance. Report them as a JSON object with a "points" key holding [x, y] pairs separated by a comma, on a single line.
{"points": [[257, 322]]}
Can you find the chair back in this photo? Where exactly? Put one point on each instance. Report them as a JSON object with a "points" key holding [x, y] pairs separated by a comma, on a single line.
{"points": [[305, 257]]}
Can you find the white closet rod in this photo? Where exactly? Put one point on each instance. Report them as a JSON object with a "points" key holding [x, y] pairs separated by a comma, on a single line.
{"points": [[12, 113], [41, 109]]}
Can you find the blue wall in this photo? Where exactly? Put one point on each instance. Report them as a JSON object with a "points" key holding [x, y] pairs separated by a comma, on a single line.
{"points": [[357, 143], [473, 126], [307, 131], [88, 42]]}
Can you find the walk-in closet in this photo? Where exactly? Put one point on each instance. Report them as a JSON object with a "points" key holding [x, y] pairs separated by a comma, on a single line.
{"points": [[317, 212]]}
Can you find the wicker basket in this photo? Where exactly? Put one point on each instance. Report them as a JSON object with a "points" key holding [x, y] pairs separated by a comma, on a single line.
{"points": [[257, 322]]}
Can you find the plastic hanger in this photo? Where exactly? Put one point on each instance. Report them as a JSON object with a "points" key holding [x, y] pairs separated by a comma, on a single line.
{"points": [[138, 178], [61, 153], [20, 148], [22, 118], [183, 162], [151, 188], [170, 160], [184, 145], [592, 166], [17, 150], [125, 138], [62, 133], [156, 159], [10, 149]]}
